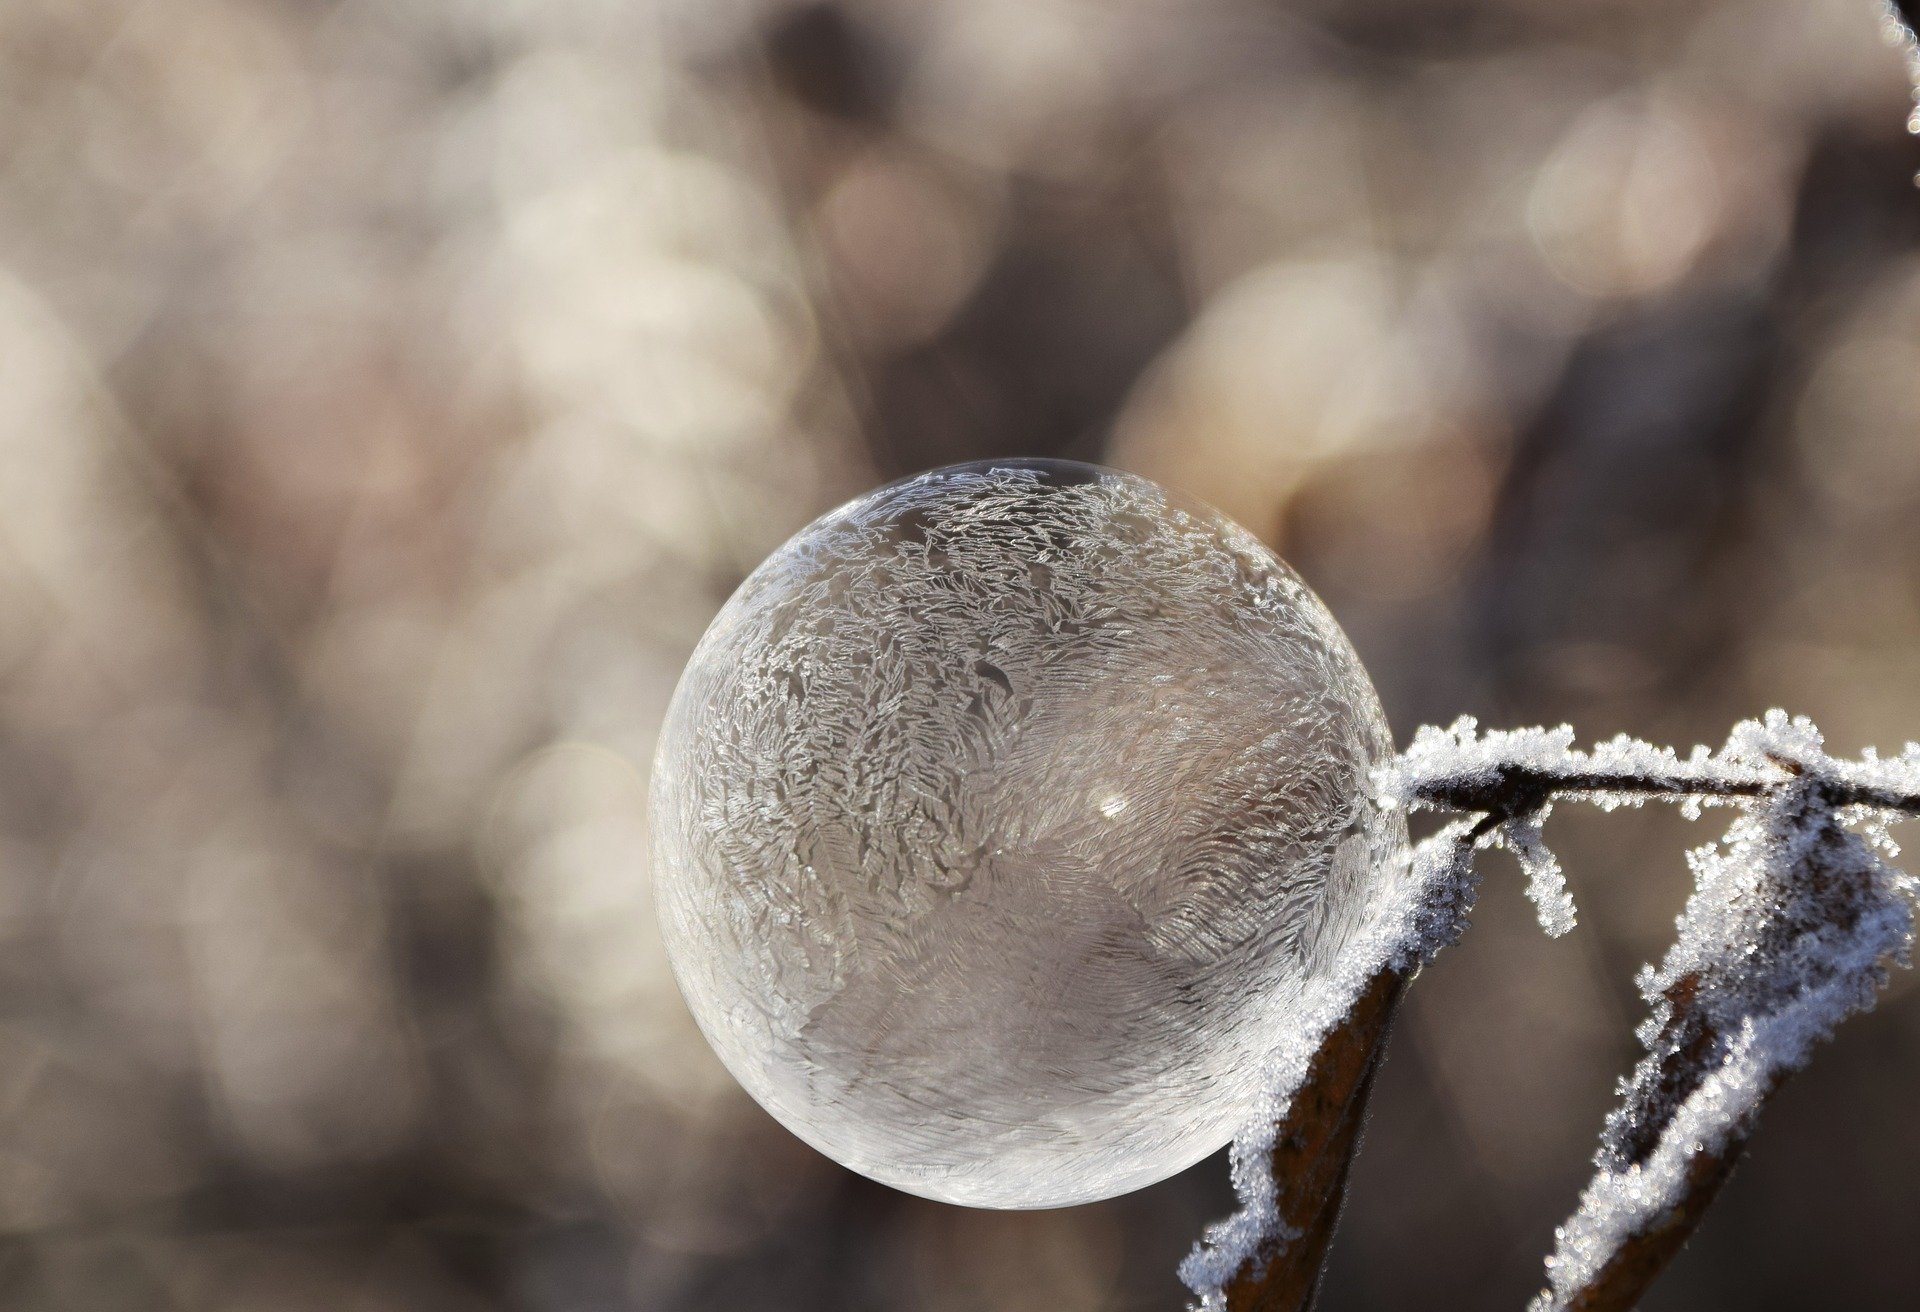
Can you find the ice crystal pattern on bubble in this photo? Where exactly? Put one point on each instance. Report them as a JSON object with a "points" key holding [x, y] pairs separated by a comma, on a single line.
{"points": [[1002, 820]]}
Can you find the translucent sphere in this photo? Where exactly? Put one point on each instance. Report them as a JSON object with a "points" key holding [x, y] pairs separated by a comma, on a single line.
{"points": [[1000, 821]]}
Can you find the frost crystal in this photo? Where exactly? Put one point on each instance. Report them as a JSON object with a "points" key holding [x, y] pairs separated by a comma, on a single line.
{"points": [[1460, 759], [1546, 882], [1004, 817]]}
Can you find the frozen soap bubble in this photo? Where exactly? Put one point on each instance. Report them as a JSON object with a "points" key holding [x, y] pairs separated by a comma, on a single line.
{"points": [[1001, 821]]}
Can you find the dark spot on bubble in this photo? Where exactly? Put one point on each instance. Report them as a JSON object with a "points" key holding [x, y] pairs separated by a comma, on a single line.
{"points": [[988, 670], [914, 527]]}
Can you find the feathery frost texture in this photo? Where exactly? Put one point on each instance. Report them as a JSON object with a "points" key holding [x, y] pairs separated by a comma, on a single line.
{"points": [[1000, 818], [1793, 923]]}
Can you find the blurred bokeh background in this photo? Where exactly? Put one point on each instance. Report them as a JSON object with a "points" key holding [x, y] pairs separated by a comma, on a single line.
{"points": [[391, 390]]}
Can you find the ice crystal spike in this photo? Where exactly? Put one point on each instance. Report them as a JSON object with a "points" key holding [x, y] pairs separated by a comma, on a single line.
{"points": [[1002, 821]]}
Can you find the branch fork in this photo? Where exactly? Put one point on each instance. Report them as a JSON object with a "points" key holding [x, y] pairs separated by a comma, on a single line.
{"points": [[1795, 920]]}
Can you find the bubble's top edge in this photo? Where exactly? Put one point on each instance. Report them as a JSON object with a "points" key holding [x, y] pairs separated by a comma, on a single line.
{"points": [[1046, 471], [1055, 471], [1049, 472]]}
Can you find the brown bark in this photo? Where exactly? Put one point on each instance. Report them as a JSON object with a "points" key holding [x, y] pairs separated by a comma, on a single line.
{"points": [[1623, 1281], [1312, 1155]]}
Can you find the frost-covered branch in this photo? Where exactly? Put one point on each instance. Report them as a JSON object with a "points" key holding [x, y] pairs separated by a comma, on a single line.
{"points": [[1504, 774], [1272, 1254], [1268, 1254], [1793, 923], [1794, 920]]}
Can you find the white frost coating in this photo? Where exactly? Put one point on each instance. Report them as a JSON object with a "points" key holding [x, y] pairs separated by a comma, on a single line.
{"points": [[1617, 1205], [1758, 751], [1546, 882], [1461, 753], [1790, 930], [1001, 819], [1758, 754], [1408, 922]]}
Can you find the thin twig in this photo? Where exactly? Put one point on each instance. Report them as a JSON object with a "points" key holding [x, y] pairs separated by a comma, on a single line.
{"points": [[1687, 1040], [1518, 788]]}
